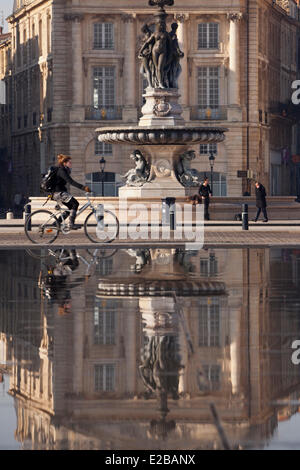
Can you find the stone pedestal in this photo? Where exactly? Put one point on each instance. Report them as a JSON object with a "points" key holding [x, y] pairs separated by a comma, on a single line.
{"points": [[161, 108]]}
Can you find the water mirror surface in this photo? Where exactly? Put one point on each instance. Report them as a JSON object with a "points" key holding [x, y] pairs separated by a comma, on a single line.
{"points": [[149, 349]]}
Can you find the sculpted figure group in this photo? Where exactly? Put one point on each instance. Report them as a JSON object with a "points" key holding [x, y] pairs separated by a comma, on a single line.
{"points": [[160, 55], [139, 175]]}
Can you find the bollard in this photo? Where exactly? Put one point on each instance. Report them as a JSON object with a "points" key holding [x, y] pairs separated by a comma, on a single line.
{"points": [[169, 212], [245, 220], [172, 212], [100, 216], [164, 212], [27, 209], [9, 214]]}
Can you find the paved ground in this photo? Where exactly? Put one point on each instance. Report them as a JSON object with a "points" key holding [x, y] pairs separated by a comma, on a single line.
{"points": [[218, 233]]}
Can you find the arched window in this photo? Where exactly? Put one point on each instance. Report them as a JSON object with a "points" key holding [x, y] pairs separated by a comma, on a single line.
{"points": [[219, 182]]}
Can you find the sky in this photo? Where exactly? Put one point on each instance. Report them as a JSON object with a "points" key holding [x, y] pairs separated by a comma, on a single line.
{"points": [[6, 6]]}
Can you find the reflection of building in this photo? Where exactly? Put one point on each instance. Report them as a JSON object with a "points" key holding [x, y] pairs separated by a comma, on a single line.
{"points": [[201, 335], [74, 68]]}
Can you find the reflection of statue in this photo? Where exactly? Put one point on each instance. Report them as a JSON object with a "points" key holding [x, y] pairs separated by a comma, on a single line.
{"points": [[139, 175], [161, 3], [183, 257], [142, 258], [160, 369], [187, 176]]}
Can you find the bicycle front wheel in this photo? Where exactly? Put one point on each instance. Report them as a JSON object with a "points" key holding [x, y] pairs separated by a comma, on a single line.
{"points": [[42, 227], [106, 232]]}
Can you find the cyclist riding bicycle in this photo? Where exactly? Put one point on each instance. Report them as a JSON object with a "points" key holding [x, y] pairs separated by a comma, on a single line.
{"points": [[61, 193]]}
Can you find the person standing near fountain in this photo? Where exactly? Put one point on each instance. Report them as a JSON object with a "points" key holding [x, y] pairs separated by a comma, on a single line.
{"points": [[261, 203], [205, 193]]}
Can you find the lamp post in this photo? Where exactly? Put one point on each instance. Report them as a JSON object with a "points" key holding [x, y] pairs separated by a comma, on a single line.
{"points": [[102, 163], [211, 161]]}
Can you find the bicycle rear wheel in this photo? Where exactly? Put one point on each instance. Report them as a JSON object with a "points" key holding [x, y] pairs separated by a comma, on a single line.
{"points": [[109, 227], [42, 227]]}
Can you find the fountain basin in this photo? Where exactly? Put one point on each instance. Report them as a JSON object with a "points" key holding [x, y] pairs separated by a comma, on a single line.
{"points": [[162, 135], [162, 147]]}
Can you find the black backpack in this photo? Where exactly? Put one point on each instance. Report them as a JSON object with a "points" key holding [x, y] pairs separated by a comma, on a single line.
{"points": [[48, 182]]}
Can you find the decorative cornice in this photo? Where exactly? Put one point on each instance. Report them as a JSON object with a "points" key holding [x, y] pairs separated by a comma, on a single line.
{"points": [[126, 18], [181, 17], [235, 16], [104, 18], [76, 17]]}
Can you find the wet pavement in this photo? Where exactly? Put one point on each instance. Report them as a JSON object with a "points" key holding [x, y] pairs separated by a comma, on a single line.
{"points": [[150, 348]]}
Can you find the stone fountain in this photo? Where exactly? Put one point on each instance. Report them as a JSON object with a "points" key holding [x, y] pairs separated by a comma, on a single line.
{"points": [[161, 140]]}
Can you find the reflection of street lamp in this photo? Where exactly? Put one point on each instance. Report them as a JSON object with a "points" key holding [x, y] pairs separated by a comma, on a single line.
{"points": [[211, 161], [102, 163]]}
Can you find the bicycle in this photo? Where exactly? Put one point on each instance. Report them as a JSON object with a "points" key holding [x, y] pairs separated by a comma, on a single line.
{"points": [[43, 226]]}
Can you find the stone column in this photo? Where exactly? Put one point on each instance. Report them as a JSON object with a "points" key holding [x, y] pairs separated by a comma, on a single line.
{"points": [[233, 77], [182, 19], [77, 67], [77, 60], [129, 70]]}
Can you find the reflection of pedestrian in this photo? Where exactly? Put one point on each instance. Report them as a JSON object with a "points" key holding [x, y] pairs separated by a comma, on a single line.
{"points": [[261, 203], [205, 193]]}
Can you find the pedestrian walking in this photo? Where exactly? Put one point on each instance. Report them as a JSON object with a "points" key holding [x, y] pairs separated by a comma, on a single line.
{"points": [[261, 204], [205, 194]]}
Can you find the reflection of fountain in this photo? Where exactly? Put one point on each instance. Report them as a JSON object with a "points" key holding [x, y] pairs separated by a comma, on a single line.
{"points": [[161, 358], [161, 135]]}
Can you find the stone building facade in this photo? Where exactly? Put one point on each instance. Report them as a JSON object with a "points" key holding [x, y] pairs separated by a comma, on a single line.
{"points": [[5, 119], [75, 378], [74, 68]]}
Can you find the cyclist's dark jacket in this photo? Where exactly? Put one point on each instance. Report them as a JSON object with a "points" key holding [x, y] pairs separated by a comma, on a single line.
{"points": [[63, 178]]}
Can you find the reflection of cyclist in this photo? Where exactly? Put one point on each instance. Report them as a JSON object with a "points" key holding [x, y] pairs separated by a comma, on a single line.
{"points": [[56, 284], [61, 194]]}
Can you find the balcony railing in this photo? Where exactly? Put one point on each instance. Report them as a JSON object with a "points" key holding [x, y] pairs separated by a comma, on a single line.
{"points": [[209, 114], [111, 113]]}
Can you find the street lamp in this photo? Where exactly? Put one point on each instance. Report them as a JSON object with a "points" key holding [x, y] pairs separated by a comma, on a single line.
{"points": [[211, 161], [102, 163]]}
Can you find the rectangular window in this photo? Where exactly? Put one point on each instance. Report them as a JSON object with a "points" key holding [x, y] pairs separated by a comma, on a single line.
{"points": [[208, 87], [105, 322], [208, 36], [102, 148], [209, 322], [213, 375], [103, 36], [104, 87], [206, 149], [104, 377]]}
